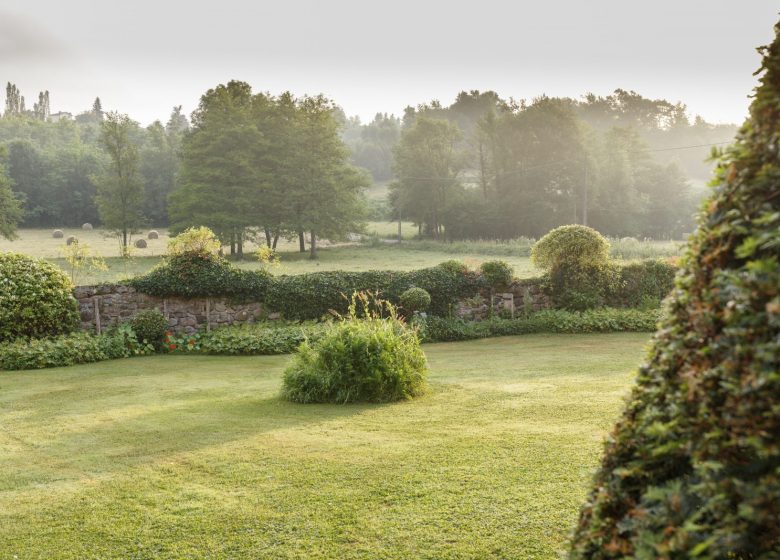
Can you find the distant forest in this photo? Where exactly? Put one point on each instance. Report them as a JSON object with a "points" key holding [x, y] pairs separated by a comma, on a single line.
{"points": [[482, 167]]}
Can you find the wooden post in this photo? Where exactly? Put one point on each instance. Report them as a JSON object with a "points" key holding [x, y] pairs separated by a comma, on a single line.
{"points": [[165, 309], [96, 307], [208, 315]]}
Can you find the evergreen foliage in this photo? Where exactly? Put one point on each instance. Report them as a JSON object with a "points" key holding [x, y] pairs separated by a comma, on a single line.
{"points": [[692, 469]]}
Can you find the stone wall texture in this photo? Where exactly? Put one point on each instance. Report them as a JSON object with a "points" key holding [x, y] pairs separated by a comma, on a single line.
{"points": [[103, 306]]}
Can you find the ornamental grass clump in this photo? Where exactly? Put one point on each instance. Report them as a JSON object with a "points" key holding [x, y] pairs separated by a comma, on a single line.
{"points": [[692, 469], [370, 355]]}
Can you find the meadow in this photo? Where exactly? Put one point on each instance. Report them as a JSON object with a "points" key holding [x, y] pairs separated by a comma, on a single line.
{"points": [[197, 457], [376, 252]]}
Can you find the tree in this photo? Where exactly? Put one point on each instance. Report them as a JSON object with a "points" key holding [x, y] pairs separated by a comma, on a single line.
{"points": [[42, 108], [10, 207], [120, 193], [426, 168], [691, 469], [14, 100]]}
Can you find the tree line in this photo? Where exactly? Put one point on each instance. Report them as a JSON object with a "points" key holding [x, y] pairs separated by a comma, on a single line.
{"points": [[259, 166]]}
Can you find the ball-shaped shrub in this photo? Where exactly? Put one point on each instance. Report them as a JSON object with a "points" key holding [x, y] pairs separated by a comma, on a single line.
{"points": [[153, 234], [71, 240], [36, 298], [370, 359], [86, 226], [415, 299], [454, 267], [498, 274], [570, 245], [58, 234], [140, 243], [150, 325]]}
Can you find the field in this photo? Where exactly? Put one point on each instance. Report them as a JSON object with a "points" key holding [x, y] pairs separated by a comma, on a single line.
{"points": [[410, 255], [196, 457]]}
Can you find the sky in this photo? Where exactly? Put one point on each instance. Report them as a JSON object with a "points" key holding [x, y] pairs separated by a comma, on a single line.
{"points": [[144, 57]]}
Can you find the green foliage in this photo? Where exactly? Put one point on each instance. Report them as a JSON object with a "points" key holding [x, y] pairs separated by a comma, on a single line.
{"points": [[257, 339], [691, 469], [415, 299], [643, 284], [150, 327], [194, 275], [573, 245], [498, 274], [193, 241], [440, 329], [36, 298], [10, 207], [367, 357], [579, 287]]}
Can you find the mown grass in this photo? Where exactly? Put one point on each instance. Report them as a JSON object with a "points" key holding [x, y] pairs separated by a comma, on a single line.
{"points": [[197, 457]]}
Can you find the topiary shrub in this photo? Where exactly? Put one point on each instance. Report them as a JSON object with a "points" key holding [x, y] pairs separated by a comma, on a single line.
{"points": [[368, 359], [153, 234], [579, 275], [570, 245], [497, 274], [36, 298], [150, 326], [57, 234], [415, 299], [692, 469]]}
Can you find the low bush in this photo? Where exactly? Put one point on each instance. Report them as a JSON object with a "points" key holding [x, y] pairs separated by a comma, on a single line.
{"points": [[363, 358], [497, 274], [439, 329], [643, 284], [573, 245], [258, 339], [36, 298], [579, 287], [150, 327], [415, 299]]}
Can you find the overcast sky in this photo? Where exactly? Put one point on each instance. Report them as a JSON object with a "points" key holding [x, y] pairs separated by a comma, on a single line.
{"points": [[143, 57]]}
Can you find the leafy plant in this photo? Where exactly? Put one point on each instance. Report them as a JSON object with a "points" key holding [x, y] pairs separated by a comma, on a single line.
{"points": [[199, 241], [36, 298], [571, 246], [369, 356], [80, 257], [150, 327], [415, 299]]}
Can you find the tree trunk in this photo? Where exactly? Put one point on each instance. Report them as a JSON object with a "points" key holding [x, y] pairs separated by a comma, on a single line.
{"points": [[267, 236], [301, 241], [240, 245], [276, 240], [313, 246]]}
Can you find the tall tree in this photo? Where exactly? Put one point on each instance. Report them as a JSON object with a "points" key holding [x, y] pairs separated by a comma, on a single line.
{"points": [[691, 469], [10, 207], [120, 190]]}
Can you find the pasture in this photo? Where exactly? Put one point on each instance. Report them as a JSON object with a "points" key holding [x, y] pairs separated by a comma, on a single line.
{"points": [[197, 457]]}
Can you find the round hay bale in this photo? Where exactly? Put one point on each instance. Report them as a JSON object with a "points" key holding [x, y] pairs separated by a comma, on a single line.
{"points": [[70, 240], [86, 226], [152, 234], [140, 244], [57, 234]]}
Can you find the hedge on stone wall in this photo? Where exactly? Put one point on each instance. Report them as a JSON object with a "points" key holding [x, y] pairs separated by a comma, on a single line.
{"points": [[692, 470]]}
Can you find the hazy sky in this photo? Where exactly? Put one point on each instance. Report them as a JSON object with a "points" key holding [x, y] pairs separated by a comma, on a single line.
{"points": [[143, 57]]}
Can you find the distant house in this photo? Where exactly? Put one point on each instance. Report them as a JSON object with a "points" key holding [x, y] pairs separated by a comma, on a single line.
{"points": [[61, 116]]}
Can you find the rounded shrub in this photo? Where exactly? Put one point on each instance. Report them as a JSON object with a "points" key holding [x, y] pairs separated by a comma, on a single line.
{"points": [[454, 267], [415, 299], [58, 234], [570, 245], [498, 274], [36, 298], [150, 325], [359, 359]]}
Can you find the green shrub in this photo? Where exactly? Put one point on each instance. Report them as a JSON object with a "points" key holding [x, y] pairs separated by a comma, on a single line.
{"points": [[580, 287], [692, 468], [497, 274], [36, 298], [192, 275], [643, 284], [369, 359], [150, 326], [258, 339], [573, 245], [415, 299]]}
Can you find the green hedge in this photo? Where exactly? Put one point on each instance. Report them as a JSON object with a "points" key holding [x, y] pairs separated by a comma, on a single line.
{"points": [[257, 339], [58, 351]]}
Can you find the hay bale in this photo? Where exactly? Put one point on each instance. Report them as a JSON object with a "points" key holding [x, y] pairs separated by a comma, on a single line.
{"points": [[70, 240], [152, 235], [140, 244], [86, 226], [57, 234]]}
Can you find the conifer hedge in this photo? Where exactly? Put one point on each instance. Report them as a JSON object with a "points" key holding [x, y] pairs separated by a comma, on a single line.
{"points": [[692, 469]]}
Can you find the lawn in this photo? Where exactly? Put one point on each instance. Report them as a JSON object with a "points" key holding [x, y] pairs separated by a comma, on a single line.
{"points": [[196, 457]]}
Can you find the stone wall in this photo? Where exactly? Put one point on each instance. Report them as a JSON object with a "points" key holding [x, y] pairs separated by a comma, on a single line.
{"points": [[109, 304], [116, 303]]}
